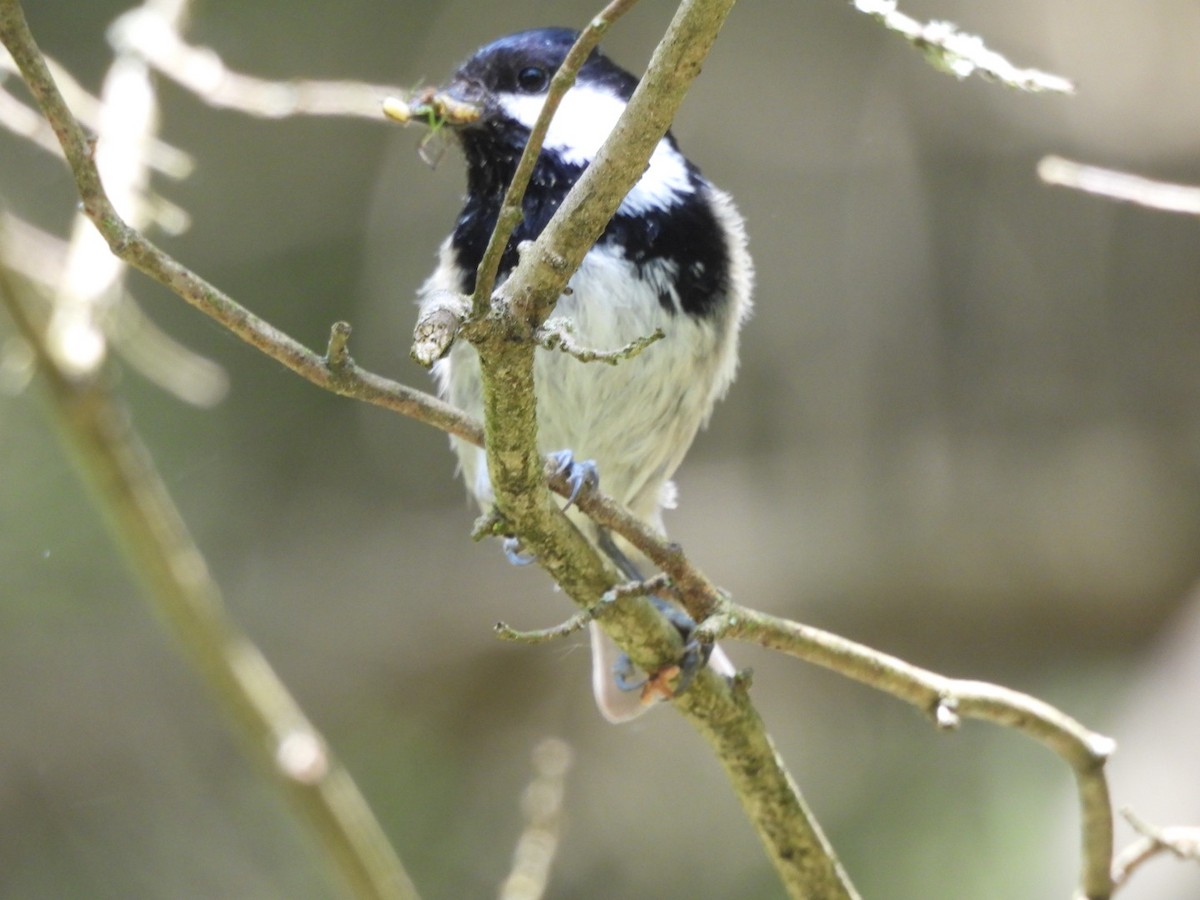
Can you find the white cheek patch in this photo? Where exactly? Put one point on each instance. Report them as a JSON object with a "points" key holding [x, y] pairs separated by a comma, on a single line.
{"points": [[585, 118]]}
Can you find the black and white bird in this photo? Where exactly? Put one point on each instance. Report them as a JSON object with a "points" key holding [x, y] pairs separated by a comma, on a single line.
{"points": [[674, 257]]}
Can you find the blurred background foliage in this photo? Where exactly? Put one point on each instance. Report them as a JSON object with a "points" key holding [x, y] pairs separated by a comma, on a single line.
{"points": [[966, 431]]}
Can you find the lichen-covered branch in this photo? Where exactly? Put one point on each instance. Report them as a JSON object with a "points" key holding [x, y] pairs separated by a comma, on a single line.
{"points": [[947, 701], [505, 341], [961, 54]]}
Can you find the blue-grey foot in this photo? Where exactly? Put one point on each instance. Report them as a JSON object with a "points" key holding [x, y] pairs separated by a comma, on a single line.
{"points": [[623, 692], [579, 473], [629, 677], [514, 553]]}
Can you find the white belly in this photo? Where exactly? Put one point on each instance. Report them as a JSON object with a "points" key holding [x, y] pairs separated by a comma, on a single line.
{"points": [[635, 419]]}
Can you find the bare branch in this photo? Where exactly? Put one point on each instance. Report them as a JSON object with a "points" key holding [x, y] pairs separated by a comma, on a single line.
{"points": [[1182, 843], [959, 53], [557, 334], [576, 623], [1117, 185], [946, 700]]}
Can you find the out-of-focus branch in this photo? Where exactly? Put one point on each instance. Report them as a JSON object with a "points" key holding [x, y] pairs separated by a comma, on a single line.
{"points": [[130, 245], [1117, 185], [29, 124], [176, 579], [959, 53], [39, 257], [721, 711], [90, 304], [542, 804], [947, 701], [1181, 842], [151, 36], [91, 280]]}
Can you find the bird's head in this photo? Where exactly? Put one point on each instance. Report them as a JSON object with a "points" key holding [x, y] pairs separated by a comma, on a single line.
{"points": [[494, 98]]}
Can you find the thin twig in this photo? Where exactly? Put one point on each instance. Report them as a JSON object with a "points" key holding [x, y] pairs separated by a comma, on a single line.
{"points": [[146, 524], [959, 53], [556, 334], [656, 584], [1181, 842], [1117, 185], [130, 245], [946, 700], [510, 207], [577, 622]]}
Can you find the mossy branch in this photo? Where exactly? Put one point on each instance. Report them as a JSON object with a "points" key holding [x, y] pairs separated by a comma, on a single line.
{"points": [[505, 332]]}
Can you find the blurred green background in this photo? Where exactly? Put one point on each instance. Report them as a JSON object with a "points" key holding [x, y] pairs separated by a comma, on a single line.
{"points": [[966, 431]]}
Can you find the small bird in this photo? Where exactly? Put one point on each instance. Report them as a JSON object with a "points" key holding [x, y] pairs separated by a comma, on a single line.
{"points": [[673, 258]]}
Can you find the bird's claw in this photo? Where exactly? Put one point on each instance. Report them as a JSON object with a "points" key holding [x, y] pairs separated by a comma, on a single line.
{"points": [[657, 685], [579, 474], [514, 553], [626, 675]]}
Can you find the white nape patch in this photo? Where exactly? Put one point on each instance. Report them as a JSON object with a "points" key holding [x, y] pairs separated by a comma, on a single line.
{"points": [[585, 118]]}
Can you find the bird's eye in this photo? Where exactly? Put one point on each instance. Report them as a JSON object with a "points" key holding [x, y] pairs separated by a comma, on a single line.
{"points": [[532, 79]]}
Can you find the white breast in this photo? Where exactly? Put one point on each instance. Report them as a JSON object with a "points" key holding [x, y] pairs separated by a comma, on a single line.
{"points": [[636, 419]]}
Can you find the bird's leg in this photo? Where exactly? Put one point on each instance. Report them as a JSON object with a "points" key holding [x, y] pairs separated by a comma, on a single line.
{"points": [[579, 475], [629, 677]]}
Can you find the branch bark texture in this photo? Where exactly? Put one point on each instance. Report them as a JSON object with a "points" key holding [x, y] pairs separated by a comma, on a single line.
{"points": [[506, 342], [506, 327]]}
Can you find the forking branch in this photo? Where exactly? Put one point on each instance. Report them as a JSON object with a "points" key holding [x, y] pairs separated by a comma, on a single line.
{"points": [[721, 713], [805, 862]]}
